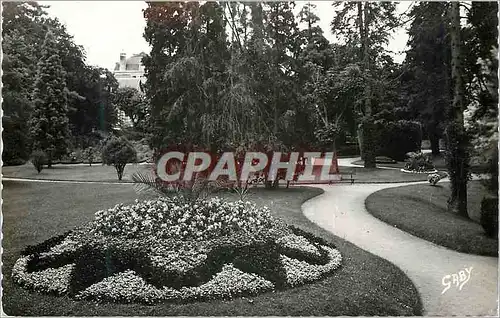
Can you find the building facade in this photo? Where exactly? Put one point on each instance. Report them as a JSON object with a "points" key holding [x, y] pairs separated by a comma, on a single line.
{"points": [[129, 72]]}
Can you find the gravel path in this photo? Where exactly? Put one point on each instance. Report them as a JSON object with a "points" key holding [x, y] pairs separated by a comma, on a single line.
{"points": [[341, 210]]}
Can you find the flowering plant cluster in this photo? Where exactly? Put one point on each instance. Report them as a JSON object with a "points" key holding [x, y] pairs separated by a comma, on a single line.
{"points": [[419, 162], [175, 217], [299, 272], [248, 253], [299, 243], [434, 178], [50, 280]]}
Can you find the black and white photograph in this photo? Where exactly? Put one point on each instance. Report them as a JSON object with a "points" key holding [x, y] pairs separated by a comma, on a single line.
{"points": [[246, 158]]}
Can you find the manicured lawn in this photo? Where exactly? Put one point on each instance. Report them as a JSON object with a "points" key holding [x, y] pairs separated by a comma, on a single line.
{"points": [[376, 175], [422, 211], [438, 162], [365, 284], [98, 172]]}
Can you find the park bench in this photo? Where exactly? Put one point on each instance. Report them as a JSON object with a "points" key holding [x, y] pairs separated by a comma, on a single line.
{"points": [[347, 175]]}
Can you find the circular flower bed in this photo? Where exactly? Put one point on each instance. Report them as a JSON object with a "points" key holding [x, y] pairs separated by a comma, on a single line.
{"points": [[173, 249]]}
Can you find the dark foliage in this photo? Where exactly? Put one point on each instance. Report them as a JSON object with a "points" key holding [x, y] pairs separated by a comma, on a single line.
{"points": [[489, 216], [397, 138]]}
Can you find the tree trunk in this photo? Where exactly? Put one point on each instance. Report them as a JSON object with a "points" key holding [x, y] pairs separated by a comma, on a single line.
{"points": [[368, 134], [434, 139], [456, 137], [119, 170], [360, 142]]}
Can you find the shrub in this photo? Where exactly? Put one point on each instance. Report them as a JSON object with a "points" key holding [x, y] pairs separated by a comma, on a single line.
{"points": [[348, 150], [38, 159], [489, 215], [419, 162], [180, 218], [397, 138], [14, 162], [118, 152]]}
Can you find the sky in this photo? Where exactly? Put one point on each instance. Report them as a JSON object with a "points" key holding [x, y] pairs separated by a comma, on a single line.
{"points": [[107, 28]]}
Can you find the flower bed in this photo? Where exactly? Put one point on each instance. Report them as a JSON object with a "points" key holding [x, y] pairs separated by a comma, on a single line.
{"points": [[415, 171], [418, 162], [173, 249]]}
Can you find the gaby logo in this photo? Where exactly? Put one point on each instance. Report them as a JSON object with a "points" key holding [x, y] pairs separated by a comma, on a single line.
{"points": [[457, 279], [301, 167]]}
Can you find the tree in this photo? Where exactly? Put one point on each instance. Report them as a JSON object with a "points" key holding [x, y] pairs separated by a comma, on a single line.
{"points": [[96, 110], [38, 159], [48, 124], [427, 66], [369, 33], [185, 71], [132, 103], [24, 28], [118, 152], [457, 152], [20, 45]]}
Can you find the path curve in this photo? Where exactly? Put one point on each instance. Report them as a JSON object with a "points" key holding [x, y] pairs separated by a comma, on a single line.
{"points": [[341, 211]]}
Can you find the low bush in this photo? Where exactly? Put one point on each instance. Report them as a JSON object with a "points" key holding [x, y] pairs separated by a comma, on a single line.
{"points": [[489, 215], [38, 159], [14, 162], [348, 150]]}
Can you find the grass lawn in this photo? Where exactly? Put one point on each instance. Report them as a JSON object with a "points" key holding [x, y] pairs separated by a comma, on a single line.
{"points": [[438, 162], [365, 284], [98, 172], [422, 211], [376, 175]]}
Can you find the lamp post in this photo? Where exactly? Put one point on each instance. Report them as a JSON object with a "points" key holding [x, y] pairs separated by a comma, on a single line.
{"points": [[102, 77]]}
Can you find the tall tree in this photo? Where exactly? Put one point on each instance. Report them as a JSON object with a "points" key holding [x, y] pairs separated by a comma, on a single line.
{"points": [[367, 26], [457, 153], [48, 124], [427, 66], [185, 70], [21, 23]]}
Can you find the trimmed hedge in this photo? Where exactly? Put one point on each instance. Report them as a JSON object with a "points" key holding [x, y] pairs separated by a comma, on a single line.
{"points": [[397, 138]]}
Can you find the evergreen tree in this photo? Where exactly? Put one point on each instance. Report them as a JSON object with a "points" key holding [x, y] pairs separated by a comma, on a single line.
{"points": [[48, 125], [428, 68]]}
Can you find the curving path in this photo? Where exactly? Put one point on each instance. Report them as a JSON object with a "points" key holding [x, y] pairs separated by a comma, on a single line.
{"points": [[341, 210]]}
